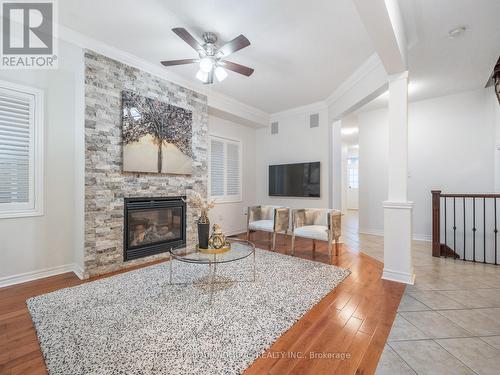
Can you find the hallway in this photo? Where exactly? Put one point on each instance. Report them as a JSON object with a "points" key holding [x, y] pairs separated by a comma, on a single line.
{"points": [[448, 322]]}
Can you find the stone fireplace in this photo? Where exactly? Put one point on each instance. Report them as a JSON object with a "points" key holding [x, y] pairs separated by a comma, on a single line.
{"points": [[153, 225], [109, 246]]}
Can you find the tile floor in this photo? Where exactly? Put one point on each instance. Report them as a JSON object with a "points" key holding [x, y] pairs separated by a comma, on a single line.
{"points": [[448, 322]]}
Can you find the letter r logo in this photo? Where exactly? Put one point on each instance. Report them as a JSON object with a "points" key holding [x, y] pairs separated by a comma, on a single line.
{"points": [[27, 28]]}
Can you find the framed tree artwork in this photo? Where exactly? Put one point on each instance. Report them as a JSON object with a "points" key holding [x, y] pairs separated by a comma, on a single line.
{"points": [[156, 136]]}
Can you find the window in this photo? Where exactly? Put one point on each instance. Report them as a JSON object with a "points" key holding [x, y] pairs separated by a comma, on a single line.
{"points": [[225, 169], [21, 153], [353, 170]]}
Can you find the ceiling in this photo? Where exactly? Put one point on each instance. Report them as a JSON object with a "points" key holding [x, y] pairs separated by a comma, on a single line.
{"points": [[300, 53], [439, 65]]}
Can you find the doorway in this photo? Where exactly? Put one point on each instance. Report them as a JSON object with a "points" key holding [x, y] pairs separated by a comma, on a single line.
{"points": [[350, 172], [352, 183]]}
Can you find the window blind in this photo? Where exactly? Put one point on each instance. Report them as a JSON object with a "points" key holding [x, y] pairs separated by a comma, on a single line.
{"points": [[16, 127], [233, 169], [225, 169], [217, 167]]}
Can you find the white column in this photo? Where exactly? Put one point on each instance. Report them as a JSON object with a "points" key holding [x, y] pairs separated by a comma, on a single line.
{"points": [[397, 209]]}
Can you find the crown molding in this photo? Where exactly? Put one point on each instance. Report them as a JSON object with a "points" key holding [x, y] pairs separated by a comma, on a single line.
{"points": [[372, 63], [255, 116], [214, 99], [308, 108]]}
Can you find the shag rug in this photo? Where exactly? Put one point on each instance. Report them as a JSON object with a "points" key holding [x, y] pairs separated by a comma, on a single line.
{"points": [[137, 323]]}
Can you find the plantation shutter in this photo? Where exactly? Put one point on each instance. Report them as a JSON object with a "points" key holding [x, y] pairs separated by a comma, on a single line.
{"points": [[225, 169], [233, 169], [16, 149], [217, 167]]}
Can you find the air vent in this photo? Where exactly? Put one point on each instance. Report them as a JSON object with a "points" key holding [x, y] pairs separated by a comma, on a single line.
{"points": [[314, 120], [274, 127]]}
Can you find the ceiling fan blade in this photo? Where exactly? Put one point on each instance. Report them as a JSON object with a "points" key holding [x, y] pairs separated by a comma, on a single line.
{"points": [[179, 62], [234, 45], [242, 69], [187, 37]]}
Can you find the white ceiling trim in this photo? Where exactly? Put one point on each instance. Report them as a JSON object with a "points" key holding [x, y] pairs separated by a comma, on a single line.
{"points": [[308, 108], [216, 100], [364, 85], [372, 63], [384, 24]]}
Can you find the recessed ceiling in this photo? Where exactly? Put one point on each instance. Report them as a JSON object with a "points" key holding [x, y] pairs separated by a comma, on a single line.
{"points": [[301, 52], [439, 65]]}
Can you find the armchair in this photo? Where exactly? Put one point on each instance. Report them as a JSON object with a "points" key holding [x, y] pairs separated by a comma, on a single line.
{"points": [[317, 224], [271, 219]]}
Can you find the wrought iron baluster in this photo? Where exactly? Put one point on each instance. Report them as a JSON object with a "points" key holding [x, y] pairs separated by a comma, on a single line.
{"points": [[496, 230], [474, 229], [445, 227], [484, 231], [454, 226], [490, 247], [464, 227]]}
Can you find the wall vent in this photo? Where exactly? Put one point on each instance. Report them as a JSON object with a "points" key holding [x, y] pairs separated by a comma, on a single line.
{"points": [[314, 120], [274, 127]]}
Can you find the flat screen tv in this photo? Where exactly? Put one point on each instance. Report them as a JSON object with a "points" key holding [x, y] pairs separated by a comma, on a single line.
{"points": [[295, 180]]}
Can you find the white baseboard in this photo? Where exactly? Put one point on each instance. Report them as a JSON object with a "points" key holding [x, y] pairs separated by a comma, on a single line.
{"points": [[235, 232], [371, 231], [380, 232], [78, 271], [40, 274], [400, 277]]}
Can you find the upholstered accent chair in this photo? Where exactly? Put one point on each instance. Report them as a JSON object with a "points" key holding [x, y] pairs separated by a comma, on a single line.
{"points": [[271, 219], [317, 224]]}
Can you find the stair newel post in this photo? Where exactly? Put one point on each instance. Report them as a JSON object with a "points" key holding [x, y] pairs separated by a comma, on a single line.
{"points": [[436, 228]]}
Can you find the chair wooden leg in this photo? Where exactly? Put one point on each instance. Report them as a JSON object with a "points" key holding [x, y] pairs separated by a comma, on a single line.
{"points": [[314, 249], [274, 241], [248, 234], [293, 244], [337, 247], [330, 250]]}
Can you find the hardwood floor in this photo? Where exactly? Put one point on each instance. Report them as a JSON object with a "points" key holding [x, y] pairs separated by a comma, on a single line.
{"points": [[352, 322]]}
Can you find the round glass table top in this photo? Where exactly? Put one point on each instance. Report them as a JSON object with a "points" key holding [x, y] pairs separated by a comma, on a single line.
{"points": [[239, 249]]}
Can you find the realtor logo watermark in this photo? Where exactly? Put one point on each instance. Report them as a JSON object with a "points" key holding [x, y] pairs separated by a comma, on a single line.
{"points": [[29, 39]]}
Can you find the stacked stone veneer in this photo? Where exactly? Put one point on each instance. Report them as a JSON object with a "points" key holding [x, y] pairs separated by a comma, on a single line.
{"points": [[106, 185]]}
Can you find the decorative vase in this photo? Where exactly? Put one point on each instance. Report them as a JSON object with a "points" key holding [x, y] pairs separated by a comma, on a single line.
{"points": [[203, 230], [217, 239]]}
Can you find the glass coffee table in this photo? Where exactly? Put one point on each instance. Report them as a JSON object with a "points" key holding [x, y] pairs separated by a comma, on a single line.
{"points": [[239, 250]]}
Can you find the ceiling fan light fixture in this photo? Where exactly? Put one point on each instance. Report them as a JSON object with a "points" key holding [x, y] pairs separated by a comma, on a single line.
{"points": [[202, 76], [206, 64], [220, 73], [211, 57]]}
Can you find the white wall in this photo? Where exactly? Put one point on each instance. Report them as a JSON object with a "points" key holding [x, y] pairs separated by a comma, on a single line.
{"points": [[46, 243], [496, 113], [451, 143], [296, 142], [373, 160], [232, 216]]}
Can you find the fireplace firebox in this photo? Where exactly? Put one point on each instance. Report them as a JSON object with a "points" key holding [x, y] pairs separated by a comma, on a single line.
{"points": [[153, 226]]}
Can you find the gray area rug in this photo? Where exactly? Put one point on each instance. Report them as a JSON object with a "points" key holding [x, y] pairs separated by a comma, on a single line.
{"points": [[137, 323]]}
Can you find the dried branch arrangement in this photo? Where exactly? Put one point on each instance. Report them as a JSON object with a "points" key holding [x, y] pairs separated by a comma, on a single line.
{"points": [[197, 201]]}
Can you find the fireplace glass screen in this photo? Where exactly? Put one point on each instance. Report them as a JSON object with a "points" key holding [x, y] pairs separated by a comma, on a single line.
{"points": [[152, 226]]}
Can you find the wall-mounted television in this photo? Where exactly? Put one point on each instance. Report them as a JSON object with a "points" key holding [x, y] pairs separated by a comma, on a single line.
{"points": [[295, 180]]}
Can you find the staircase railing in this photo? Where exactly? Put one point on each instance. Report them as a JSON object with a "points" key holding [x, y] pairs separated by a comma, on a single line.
{"points": [[464, 226]]}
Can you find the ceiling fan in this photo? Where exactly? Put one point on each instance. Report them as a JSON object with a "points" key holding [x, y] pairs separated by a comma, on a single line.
{"points": [[212, 57]]}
